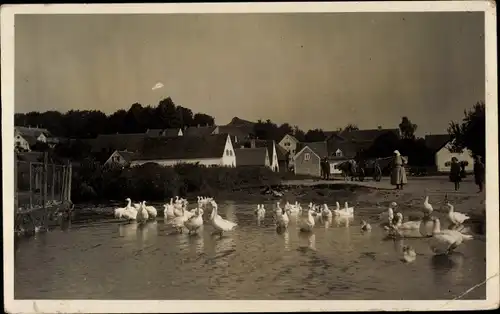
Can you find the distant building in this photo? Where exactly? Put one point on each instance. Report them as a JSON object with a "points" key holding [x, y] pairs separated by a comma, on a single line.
{"points": [[439, 145], [108, 143], [289, 143], [252, 157], [172, 132], [198, 131], [26, 137], [122, 158], [209, 150]]}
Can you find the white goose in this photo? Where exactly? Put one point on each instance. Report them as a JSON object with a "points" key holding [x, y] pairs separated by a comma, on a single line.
{"points": [[282, 219], [326, 212], [169, 211], [409, 254], [218, 222], [388, 215], [119, 212], [456, 218], [195, 222], [349, 210], [408, 225], [365, 226], [446, 241], [260, 212], [306, 221], [294, 211], [337, 211], [142, 213], [177, 222], [428, 209], [130, 213], [152, 212]]}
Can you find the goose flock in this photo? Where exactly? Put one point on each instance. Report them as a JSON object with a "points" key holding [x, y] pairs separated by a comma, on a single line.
{"points": [[177, 215]]}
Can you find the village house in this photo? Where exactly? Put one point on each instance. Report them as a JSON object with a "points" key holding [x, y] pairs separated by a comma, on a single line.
{"points": [[122, 158], [277, 155], [171, 132], [199, 131], [289, 143], [252, 157], [439, 145], [359, 139], [209, 150], [307, 161], [26, 137]]}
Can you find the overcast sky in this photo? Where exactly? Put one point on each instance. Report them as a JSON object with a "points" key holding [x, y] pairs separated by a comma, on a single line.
{"points": [[313, 70]]}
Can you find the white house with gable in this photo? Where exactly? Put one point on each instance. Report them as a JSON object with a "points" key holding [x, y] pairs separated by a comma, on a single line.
{"points": [[439, 145]]}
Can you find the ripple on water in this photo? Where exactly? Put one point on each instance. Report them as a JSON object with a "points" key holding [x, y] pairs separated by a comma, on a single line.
{"points": [[127, 261]]}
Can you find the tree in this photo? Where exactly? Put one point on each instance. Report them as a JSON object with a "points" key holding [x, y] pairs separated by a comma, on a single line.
{"points": [[407, 128], [471, 133], [203, 120], [315, 135], [351, 127]]}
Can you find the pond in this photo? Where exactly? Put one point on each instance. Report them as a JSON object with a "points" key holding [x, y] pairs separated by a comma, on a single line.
{"points": [[108, 259]]}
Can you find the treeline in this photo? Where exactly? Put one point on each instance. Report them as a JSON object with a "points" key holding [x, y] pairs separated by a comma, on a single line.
{"points": [[82, 124], [96, 183]]}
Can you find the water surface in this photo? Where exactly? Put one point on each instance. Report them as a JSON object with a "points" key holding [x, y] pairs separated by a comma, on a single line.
{"points": [[113, 260]]}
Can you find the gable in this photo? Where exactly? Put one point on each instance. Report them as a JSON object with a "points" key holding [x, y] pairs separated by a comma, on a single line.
{"points": [[319, 148], [436, 142], [304, 150]]}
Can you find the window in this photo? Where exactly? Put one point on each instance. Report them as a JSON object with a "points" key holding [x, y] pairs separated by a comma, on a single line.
{"points": [[287, 144], [447, 164], [338, 153], [227, 152], [307, 156]]}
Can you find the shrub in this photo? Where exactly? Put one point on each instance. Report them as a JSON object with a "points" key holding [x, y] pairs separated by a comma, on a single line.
{"points": [[153, 182]]}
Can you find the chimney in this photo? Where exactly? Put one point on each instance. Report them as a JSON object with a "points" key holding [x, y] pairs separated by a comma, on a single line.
{"points": [[252, 143]]}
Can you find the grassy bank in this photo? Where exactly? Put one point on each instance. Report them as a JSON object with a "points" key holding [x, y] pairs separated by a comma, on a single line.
{"points": [[93, 183]]}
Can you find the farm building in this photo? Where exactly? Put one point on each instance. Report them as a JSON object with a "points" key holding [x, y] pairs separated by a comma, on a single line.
{"points": [[308, 158], [209, 150], [122, 158], [172, 132], [439, 145], [252, 157]]}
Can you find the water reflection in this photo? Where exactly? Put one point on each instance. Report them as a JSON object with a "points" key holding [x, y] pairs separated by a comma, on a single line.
{"points": [[307, 240], [197, 242], [128, 230], [448, 269], [286, 237], [340, 221], [230, 212]]}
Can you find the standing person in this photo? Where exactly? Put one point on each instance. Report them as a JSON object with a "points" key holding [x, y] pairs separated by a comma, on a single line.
{"points": [[398, 174], [322, 168], [327, 169], [455, 173], [479, 170], [462, 170]]}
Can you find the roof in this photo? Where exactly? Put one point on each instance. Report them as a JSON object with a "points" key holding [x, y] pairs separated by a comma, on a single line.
{"points": [[293, 137], [31, 139], [365, 135], [130, 142], [171, 132], [251, 156], [199, 130], [28, 131], [320, 148], [128, 156], [281, 152], [330, 133], [349, 148], [182, 147], [240, 122], [269, 144], [240, 131], [437, 141]]}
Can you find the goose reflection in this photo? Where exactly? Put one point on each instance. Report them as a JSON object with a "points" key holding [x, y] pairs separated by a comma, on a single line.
{"points": [[230, 211], [224, 244], [307, 241], [448, 269], [340, 221], [127, 230], [148, 230], [197, 241], [286, 237], [328, 221]]}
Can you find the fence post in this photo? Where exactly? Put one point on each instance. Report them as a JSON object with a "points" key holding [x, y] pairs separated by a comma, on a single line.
{"points": [[44, 187], [52, 187], [70, 165], [31, 187], [63, 183]]}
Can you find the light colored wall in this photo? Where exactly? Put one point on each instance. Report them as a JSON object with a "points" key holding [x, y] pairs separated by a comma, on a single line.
{"points": [[180, 133], [229, 157], [275, 163], [173, 162], [443, 156], [291, 147], [120, 160], [42, 138], [21, 142], [311, 166]]}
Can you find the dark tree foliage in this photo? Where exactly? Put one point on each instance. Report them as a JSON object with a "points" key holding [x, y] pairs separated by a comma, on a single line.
{"points": [[315, 135], [351, 127], [407, 128], [471, 133], [81, 124]]}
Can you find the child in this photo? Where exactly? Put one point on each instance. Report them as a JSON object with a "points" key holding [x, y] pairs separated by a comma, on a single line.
{"points": [[455, 170]]}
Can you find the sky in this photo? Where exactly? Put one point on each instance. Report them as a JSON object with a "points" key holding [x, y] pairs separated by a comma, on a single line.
{"points": [[314, 70]]}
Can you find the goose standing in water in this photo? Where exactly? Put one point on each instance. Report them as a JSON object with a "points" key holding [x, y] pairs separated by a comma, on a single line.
{"points": [[260, 212], [456, 218], [282, 220], [306, 221], [409, 254], [130, 212], [388, 215], [326, 213], [177, 222], [152, 212], [218, 222], [349, 210], [365, 226], [428, 209], [446, 241], [195, 222], [168, 212], [142, 214]]}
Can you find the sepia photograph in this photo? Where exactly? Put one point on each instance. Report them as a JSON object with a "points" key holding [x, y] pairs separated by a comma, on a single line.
{"points": [[286, 154]]}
